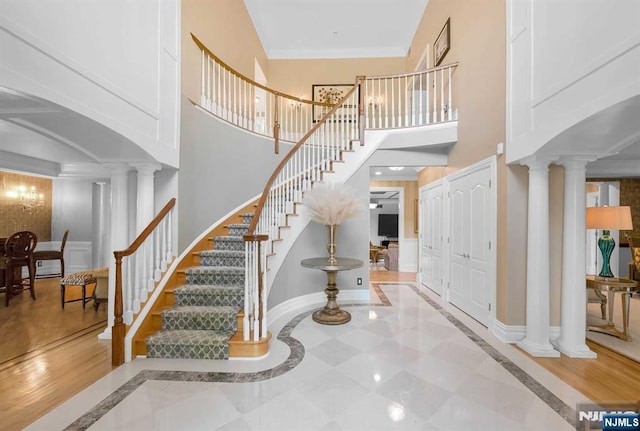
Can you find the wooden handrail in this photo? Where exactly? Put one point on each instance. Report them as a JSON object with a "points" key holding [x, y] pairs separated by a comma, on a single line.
{"points": [[250, 236], [147, 231], [419, 72], [118, 331], [251, 81]]}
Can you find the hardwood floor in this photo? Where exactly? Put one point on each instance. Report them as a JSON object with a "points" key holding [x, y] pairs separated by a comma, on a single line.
{"points": [[48, 354], [28, 325], [55, 370]]}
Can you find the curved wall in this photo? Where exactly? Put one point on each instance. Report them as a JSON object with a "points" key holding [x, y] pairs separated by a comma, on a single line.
{"points": [[221, 167], [114, 62]]}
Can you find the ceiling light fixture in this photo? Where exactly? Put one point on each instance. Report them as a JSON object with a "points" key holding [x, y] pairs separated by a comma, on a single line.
{"points": [[28, 198], [378, 173], [396, 168]]}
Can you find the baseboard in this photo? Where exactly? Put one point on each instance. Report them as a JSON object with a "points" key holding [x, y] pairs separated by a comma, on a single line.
{"points": [[514, 333], [317, 299]]}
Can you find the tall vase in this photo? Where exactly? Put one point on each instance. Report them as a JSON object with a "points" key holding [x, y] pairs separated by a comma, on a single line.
{"points": [[332, 228]]}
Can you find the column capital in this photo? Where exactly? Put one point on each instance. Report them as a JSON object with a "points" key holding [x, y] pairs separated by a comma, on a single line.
{"points": [[576, 161], [146, 168], [538, 162]]}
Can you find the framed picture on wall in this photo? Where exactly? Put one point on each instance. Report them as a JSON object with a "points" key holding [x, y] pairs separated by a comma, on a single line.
{"points": [[443, 43], [330, 94]]}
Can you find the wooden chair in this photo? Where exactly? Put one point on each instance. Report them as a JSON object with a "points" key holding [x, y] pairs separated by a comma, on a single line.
{"points": [[632, 268], [53, 255], [18, 249]]}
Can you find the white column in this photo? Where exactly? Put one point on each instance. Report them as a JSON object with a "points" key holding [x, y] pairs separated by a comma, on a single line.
{"points": [[119, 233], [101, 227], [144, 214], [536, 341], [146, 192], [573, 318]]}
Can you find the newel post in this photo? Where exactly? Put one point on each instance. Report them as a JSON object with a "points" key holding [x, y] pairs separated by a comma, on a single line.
{"points": [[118, 331]]}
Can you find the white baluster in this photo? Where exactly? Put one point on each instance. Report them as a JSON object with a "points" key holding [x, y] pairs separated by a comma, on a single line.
{"points": [[449, 112], [157, 257], [169, 237], [136, 285], [406, 101], [441, 95], [148, 263], [163, 243], [128, 291]]}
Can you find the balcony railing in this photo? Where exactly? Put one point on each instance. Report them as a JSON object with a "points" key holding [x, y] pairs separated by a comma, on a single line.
{"points": [[410, 100]]}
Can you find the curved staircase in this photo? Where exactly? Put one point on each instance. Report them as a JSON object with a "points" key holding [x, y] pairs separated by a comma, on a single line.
{"points": [[199, 315]]}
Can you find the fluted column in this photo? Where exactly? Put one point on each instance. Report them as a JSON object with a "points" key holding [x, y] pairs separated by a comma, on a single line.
{"points": [[573, 318], [119, 232], [536, 341]]}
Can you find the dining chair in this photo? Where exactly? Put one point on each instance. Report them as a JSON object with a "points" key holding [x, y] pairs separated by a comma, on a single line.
{"points": [[18, 249], [52, 255]]}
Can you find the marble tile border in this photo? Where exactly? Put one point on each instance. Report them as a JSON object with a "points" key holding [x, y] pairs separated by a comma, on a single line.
{"points": [[548, 397], [297, 354]]}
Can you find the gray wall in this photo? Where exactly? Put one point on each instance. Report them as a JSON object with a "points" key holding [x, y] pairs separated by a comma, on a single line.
{"points": [[352, 239], [72, 209], [221, 167]]}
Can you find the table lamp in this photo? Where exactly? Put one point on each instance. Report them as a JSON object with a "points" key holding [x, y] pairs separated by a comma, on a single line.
{"points": [[608, 218]]}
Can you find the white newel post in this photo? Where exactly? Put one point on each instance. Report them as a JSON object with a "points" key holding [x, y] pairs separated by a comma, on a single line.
{"points": [[144, 214], [573, 317], [536, 341], [119, 234]]}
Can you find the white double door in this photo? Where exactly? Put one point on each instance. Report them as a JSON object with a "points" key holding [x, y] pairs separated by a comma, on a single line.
{"points": [[432, 236], [471, 218]]}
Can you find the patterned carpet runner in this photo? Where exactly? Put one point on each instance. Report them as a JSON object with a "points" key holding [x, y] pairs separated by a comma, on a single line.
{"points": [[204, 316]]}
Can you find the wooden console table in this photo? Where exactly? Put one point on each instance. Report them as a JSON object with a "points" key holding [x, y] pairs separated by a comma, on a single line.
{"points": [[613, 285], [331, 314]]}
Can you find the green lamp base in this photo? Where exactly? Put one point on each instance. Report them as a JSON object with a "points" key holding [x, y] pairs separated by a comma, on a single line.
{"points": [[606, 244]]}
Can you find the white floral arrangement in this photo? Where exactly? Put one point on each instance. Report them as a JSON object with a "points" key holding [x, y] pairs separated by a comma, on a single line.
{"points": [[332, 203]]}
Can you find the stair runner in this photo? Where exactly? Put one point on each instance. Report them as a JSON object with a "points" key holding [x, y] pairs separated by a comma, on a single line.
{"points": [[204, 316]]}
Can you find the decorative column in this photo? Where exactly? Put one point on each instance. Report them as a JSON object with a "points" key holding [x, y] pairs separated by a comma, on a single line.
{"points": [[119, 234], [144, 214], [573, 318], [536, 341], [101, 231]]}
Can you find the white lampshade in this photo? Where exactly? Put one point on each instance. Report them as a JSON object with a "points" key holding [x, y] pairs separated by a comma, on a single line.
{"points": [[609, 218]]}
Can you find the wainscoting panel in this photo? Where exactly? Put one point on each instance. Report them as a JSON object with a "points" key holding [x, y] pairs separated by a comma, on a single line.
{"points": [[77, 257]]}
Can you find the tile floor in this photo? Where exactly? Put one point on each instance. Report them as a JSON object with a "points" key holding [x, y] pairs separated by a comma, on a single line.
{"points": [[403, 362]]}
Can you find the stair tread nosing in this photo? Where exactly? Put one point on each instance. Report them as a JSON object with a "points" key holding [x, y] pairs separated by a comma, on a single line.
{"points": [[222, 253], [217, 269], [189, 337], [200, 310], [211, 289]]}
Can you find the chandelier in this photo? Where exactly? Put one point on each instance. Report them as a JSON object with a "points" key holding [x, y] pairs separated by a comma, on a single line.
{"points": [[28, 198]]}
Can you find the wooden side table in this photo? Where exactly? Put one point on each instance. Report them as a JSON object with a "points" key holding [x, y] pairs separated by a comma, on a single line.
{"points": [[331, 314], [613, 285]]}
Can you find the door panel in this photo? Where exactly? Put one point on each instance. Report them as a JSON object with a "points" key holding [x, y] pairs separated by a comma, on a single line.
{"points": [[425, 257], [470, 257]]}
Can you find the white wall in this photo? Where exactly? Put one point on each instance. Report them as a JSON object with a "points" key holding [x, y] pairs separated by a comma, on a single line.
{"points": [[114, 61], [72, 209], [567, 61]]}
